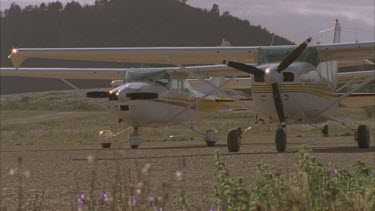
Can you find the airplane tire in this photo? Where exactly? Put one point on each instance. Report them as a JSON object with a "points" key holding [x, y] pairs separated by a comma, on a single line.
{"points": [[363, 137], [134, 146], [211, 143], [325, 131], [234, 140], [106, 145], [280, 140]]}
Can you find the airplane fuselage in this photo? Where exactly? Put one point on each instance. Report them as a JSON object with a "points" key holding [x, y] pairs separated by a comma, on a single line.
{"points": [[154, 104]]}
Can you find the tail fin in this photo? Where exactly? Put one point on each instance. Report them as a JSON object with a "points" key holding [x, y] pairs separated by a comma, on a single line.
{"points": [[337, 32], [225, 43]]}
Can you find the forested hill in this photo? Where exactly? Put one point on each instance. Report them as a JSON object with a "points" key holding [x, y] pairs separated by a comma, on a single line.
{"points": [[123, 23]]}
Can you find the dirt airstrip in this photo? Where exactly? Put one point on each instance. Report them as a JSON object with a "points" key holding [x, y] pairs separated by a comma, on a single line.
{"points": [[61, 172]]}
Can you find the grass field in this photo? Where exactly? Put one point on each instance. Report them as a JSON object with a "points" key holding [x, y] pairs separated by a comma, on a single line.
{"points": [[56, 135]]}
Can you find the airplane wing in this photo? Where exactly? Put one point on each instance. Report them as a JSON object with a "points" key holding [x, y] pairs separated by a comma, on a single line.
{"points": [[357, 100], [344, 77], [346, 51], [154, 55], [198, 55], [117, 73], [66, 73]]}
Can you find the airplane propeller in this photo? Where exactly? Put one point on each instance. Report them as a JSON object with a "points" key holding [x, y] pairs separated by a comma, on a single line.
{"points": [[245, 68], [272, 76], [292, 56]]}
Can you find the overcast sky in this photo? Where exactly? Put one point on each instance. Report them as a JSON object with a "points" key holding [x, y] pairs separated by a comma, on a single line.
{"points": [[293, 19]]}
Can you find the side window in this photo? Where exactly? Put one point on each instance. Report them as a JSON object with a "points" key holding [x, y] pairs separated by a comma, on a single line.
{"points": [[180, 87], [288, 77], [258, 78]]}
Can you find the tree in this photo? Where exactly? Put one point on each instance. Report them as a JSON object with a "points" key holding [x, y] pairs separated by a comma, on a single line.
{"points": [[101, 2], [55, 7], [183, 1], [226, 13], [73, 7], [14, 10], [215, 9], [43, 7]]}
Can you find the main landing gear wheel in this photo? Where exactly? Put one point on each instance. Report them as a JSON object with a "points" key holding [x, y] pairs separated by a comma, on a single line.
{"points": [[106, 145], [325, 131], [211, 143], [363, 137], [234, 140], [134, 146], [280, 140], [211, 137]]}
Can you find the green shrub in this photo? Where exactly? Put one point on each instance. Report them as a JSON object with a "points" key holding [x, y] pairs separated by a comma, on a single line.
{"points": [[312, 187]]}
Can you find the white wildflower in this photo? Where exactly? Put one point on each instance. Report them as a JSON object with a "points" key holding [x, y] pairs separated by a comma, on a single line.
{"points": [[13, 171], [90, 158], [27, 173], [179, 175], [146, 168]]}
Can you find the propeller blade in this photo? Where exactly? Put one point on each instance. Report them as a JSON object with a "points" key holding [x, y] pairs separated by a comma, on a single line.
{"points": [[278, 103], [293, 56], [245, 68]]}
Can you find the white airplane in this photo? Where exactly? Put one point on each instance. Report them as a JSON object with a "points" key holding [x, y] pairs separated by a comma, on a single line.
{"points": [[290, 84]]}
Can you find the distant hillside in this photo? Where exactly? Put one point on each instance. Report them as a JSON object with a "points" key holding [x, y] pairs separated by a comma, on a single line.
{"points": [[122, 23]]}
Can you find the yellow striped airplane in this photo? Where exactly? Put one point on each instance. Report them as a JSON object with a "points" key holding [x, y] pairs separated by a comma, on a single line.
{"points": [[289, 84]]}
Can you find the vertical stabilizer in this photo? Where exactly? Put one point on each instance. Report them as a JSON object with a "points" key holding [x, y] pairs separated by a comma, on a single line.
{"points": [[225, 43], [337, 32]]}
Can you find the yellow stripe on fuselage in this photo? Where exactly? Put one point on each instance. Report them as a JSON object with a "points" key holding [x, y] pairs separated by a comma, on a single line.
{"points": [[318, 90], [204, 105]]}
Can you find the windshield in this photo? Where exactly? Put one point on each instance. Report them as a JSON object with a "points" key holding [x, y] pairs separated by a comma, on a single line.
{"points": [[278, 53], [160, 77]]}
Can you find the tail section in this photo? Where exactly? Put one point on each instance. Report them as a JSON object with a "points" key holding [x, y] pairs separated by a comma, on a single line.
{"points": [[337, 32], [225, 43]]}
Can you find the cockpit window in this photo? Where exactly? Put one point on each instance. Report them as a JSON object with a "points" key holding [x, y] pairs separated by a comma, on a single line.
{"points": [[154, 76], [277, 54], [181, 86]]}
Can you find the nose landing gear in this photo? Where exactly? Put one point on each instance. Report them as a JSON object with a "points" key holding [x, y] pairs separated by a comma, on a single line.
{"points": [[105, 138], [135, 139]]}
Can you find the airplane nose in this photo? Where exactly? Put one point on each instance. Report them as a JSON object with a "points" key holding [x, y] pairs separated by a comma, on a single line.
{"points": [[112, 95]]}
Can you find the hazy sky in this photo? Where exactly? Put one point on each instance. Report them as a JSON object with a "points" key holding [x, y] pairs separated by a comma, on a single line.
{"points": [[293, 19]]}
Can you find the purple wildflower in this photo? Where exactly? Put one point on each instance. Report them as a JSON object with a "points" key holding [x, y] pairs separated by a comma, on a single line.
{"points": [[212, 209], [334, 171], [106, 198], [103, 197], [151, 201], [82, 196], [134, 201], [81, 200], [100, 197]]}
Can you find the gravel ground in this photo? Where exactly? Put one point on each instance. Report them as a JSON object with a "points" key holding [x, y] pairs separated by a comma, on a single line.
{"points": [[63, 171]]}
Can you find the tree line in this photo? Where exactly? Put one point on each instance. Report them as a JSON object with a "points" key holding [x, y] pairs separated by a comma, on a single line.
{"points": [[122, 23]]}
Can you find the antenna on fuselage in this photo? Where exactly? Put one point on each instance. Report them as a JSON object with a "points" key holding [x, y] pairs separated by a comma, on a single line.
{"points": [[273, 37]]}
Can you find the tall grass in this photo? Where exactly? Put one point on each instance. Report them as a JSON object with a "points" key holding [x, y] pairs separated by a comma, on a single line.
{"points": [[311, 187]]}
